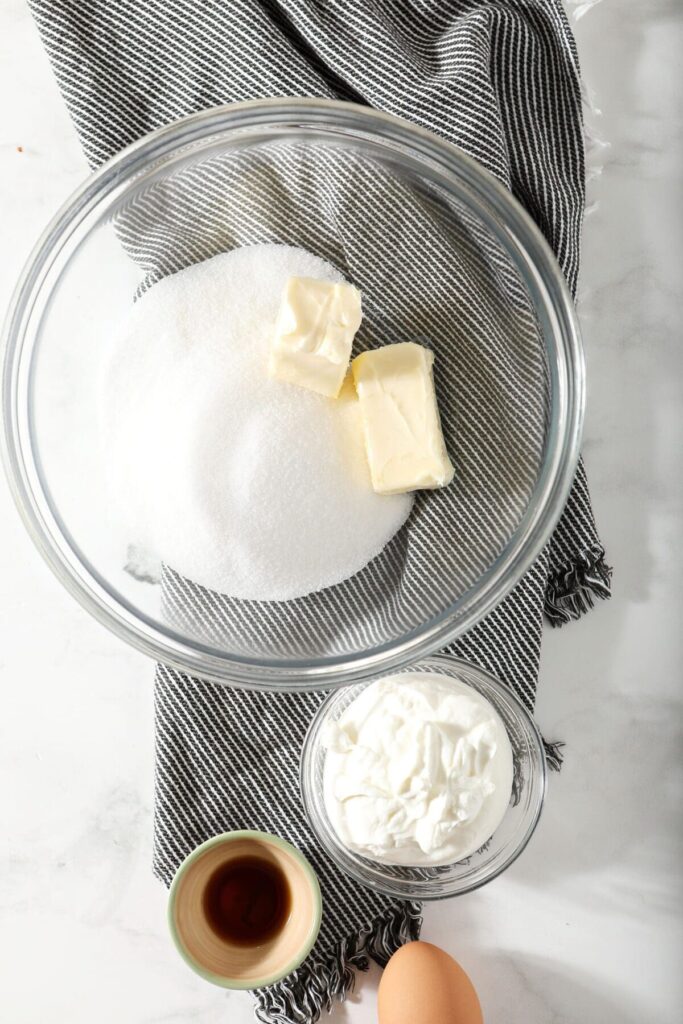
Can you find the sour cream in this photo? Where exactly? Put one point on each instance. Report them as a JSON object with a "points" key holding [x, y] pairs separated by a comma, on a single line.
{"points": [[418, 770]]}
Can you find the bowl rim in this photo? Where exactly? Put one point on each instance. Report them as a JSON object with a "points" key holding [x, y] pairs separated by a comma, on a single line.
{"points": [[225, 838], [336, 850], [542, 275]]}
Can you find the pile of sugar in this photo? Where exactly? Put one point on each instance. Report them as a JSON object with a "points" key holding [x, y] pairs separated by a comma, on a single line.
{"points": [[244, 484]]}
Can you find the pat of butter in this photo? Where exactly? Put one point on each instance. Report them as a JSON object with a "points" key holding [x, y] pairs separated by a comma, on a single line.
{"points": [[403, 437], [314, 333]]}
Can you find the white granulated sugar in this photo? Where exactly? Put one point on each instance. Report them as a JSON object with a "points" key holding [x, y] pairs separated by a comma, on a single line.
{"points": [[245, 484]]}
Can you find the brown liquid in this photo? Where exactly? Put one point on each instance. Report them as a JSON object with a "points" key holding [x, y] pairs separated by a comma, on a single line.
{"points": [[247, 900]]}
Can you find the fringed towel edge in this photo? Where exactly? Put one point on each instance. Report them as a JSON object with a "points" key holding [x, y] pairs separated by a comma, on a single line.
{"points": [[573, 589], [321, 980], [553, 754]]}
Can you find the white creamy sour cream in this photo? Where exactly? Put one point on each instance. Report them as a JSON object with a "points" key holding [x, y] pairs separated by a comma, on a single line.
{"points": [[418, 770]]}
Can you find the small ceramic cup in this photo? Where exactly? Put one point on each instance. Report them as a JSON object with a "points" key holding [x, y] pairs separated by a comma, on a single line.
{"points": [[217, 959]]}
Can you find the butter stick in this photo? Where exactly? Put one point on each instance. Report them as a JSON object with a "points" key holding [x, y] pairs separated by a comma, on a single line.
{"points": [[403, 437], [314, 334]]}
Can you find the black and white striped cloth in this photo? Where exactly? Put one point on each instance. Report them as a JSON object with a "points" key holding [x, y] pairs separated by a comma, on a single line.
{"points": [[501, 80]]}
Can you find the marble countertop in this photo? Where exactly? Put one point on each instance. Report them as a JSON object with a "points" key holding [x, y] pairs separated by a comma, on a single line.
{"points": [[585, 927]]}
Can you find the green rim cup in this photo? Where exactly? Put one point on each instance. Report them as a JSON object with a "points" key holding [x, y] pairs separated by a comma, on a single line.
{"points": [[245, 967]]}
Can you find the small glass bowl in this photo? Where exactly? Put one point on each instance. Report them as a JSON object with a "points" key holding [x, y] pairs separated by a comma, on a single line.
{"points": [[507, 842]]}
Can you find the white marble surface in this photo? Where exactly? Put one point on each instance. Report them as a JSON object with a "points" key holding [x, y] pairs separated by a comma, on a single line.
{"points": [[585, 928]]}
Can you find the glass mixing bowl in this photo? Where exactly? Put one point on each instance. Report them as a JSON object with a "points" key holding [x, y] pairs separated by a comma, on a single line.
{"points": [[304, 172], [507, 842]]}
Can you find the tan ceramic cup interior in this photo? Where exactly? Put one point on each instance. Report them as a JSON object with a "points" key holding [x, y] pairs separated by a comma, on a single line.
{"points": [[218, 960]]}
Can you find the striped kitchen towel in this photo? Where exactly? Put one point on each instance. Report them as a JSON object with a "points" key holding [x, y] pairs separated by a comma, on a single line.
{"points": [[501, 80]]}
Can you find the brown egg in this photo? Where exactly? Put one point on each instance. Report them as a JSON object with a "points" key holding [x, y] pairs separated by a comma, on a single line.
{"points": [[423, 985]]}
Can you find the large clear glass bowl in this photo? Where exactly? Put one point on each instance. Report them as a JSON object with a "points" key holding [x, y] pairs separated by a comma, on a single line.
{"points": [[506, 843], [163, 203]]}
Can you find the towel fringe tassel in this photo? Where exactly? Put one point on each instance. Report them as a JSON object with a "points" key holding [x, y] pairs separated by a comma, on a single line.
{"points": [[553, 754], [302, 995], [572, 590]]}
